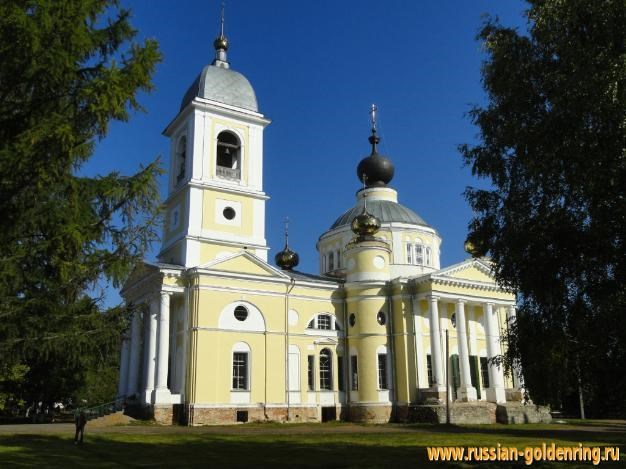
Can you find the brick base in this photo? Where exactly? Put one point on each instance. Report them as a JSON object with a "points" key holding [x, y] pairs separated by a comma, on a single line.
{"points": [[460, 413], [228, 415], [516, 412]]}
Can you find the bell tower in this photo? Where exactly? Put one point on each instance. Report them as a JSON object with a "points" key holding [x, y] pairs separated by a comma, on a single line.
{"points": [[215, 204]]}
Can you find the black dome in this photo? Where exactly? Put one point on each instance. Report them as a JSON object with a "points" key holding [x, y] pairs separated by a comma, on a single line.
{"points": [[375, 170]]}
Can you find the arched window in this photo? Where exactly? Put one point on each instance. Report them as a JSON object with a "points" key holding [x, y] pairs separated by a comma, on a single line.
{"points": [[228, 156], [326, 369], [181, 158]]}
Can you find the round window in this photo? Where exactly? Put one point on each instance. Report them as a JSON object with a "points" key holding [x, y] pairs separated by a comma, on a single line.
{"points": [[241, 313], [381, 318], [229, 213], [352, 320]]}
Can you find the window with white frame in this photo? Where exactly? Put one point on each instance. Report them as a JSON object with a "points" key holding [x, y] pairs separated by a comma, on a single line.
{"points": [[326, 369], [354, 373], [325, 322], [418, 254], [311, 372], [240, 371], [382, 371]]}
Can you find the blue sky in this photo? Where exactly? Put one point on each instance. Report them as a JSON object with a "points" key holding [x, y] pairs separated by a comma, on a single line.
{"points": [[316, 67]]}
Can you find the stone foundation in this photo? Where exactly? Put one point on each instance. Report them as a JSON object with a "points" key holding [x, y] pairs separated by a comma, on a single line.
{"points": [[230, 415], [513, 395], [369, 413], [164, 414], [460, 413], [516, 412]]}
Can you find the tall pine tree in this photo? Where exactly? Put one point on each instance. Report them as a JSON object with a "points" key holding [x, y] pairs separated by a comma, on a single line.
{"points": [[67, 69], [553, 145]]}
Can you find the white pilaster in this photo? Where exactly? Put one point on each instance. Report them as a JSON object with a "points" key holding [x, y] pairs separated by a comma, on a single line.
{"points": [[124, 356], [133, 362], [495, 392], [183, 371], [435, 343], [161, 394], [466, 391], [150, 350]]}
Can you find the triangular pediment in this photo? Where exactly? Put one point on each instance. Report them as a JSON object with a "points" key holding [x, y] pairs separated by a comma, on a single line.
{"points": [[243, 263], [473, 270]]}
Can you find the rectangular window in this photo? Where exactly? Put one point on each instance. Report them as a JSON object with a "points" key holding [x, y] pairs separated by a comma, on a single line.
{"points": [[419, 254], [340, 377], [409, 253], [324, 322], [331, 261], [240, 370], [484, 372], [339, 259], [382, 371], [354, 372], [429, 368], [427, 256], [311, 372], [326, 376]]}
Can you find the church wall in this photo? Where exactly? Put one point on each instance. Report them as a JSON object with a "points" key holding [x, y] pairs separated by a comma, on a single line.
{"points": [[213, 219], [404, 349]]}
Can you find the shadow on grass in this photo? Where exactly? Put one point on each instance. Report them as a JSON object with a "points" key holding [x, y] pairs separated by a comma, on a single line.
{"points": [[608, 434], [210, 450]]}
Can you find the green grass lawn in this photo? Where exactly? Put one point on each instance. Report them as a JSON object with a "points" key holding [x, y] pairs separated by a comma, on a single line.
{"points": [[294, 445]]}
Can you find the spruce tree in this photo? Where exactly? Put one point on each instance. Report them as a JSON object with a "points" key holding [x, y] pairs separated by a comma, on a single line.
{"points": [[67, 69]]}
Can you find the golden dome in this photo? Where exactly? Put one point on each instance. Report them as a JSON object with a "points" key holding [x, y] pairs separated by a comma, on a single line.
{"points": [[221, 43], [287, 259], [365, 224], [471, 248]]}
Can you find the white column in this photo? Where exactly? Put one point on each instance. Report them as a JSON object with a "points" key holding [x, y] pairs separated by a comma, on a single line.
{"points": [[495, 392], [435, 344], [133, 363], [161, 393], [183, 371], [511, 314], [123, 383], [466, 391], [150, 350]]}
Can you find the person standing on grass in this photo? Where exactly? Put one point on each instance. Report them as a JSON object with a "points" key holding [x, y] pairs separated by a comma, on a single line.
{"points": [[80, 421]]}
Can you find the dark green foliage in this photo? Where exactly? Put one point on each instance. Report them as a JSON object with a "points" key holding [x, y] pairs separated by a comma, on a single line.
{"points": [[552, 143], [67, 68]]}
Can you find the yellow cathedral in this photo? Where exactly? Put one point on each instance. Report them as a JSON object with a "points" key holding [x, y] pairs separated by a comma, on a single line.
{"points": [[225, 337]]}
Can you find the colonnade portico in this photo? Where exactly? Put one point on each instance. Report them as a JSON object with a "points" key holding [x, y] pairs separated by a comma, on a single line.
{"points": [[152, 387], [495, 392]]}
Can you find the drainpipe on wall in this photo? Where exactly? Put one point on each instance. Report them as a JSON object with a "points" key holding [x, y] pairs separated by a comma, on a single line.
{"points": [[288, 289], [392, 351], [346, 352]]}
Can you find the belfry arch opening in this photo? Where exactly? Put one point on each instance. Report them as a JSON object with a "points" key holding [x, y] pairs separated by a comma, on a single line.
{"points": [[228, 163], [181, 159]]}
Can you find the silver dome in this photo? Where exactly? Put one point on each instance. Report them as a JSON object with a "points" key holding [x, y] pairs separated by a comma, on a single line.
{"points": [[385, 210], [223, 85]]}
